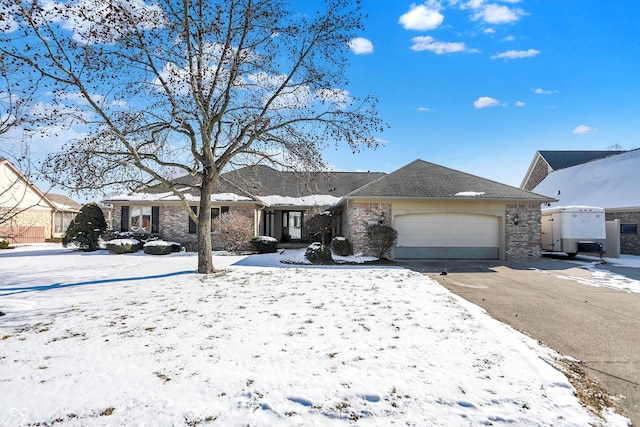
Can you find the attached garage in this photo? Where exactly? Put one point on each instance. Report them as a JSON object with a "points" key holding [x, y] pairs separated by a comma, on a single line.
{"points": [[447, 236], [441, 213]]}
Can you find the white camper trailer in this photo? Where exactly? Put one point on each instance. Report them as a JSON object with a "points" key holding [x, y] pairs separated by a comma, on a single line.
{"points": [[573, 229]]}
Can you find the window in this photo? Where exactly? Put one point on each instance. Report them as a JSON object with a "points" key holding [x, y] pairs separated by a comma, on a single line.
{"points": [[628, 228], [62, 221], [140, 219], [215, 212]]}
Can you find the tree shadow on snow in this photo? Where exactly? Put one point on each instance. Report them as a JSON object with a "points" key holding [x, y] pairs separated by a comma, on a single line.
{"points": [[6, 291]]}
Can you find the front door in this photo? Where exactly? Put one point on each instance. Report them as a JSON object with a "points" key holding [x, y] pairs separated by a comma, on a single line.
{"points": [[292, 225]]}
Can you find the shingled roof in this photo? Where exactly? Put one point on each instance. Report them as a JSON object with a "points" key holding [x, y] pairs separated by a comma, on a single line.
{"points": [[265, 181], [424, 180], [261, 180], [565, 159], [64, 203]]}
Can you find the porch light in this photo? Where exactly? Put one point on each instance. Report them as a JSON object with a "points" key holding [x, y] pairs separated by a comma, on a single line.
{"points": [[516, 219], [381, 217]]}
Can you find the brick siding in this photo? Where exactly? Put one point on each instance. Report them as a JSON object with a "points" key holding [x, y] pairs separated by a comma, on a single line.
{"points": [[539, 172], [174, 225], [356, 219], [523, 240], [629, 243]]}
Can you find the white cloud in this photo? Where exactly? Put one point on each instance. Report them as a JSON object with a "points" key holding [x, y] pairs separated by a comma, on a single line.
{"points": [[422, 17], [541, 91], [520, 104], [427, 109], [515, 54], [429, 43], [473, 4], [485, 101], [497, 14], [489, 31], [508, 39], [361, 46], [583, 130]]}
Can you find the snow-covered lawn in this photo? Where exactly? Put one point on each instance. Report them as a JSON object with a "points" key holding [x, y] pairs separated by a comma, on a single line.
{"points": [[102, 339]]}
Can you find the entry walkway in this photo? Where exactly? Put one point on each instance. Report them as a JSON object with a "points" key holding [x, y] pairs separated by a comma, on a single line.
{"points": [[599, 326]]}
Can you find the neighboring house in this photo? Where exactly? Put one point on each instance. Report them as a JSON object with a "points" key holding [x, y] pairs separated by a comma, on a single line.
{"points": [[610, 183], [438, 212], [27, 215], [65, 211], [545, 162]]}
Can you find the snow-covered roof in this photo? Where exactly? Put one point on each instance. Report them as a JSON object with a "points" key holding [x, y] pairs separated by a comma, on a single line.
{"points": [[170, 197], [312, 200], [609, 183]]}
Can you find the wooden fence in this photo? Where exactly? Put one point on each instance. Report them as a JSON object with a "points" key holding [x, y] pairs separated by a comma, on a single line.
{"points": [[22, 234]]}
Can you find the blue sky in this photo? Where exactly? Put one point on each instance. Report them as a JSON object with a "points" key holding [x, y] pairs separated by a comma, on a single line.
{"points": [[480, 85]]}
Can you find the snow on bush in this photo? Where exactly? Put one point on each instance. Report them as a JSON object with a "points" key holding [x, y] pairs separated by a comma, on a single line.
{"points": [[341, 246], [160, 247], [318, 253], [264, 244], [123, 246]]}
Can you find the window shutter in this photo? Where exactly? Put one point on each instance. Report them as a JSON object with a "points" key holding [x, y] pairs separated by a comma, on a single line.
{"points": [[155, 219], [124, 218], [192, 224], [215, 212]]}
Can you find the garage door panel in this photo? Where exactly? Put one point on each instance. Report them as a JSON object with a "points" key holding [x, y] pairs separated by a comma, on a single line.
{"points": [[447, 236]]}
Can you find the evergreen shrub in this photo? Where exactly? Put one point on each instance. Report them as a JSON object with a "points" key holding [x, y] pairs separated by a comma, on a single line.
{"points": [[86, 228], [264, 244], [318, 253], [123, 246], [341, 246]]}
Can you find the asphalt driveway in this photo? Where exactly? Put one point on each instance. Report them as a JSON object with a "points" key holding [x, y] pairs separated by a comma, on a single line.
{"points": [[597, 325]]}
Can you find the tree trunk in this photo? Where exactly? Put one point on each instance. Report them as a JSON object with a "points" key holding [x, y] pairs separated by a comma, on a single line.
{"points": [[205, 255]]}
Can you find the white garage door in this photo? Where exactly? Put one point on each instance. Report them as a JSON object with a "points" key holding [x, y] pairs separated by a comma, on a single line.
{"points": [[463, 236]]}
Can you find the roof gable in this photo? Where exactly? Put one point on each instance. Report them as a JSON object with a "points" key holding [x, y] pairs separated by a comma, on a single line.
{"points": [[611, 182], [424, 180], [23, 194]]}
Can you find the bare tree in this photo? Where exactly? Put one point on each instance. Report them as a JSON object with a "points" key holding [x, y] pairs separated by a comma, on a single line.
{"points": [[14, 195], [190, 87]]}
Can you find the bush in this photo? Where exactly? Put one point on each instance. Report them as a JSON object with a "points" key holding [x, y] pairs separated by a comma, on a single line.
{"points": [[160, 247], [341, 246], [123, 246], [264, 244], [318, 253], [86, 228], [381, 239], [140, 237], [4, 244], [234, 230]]}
